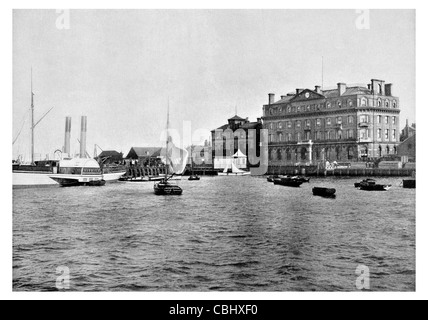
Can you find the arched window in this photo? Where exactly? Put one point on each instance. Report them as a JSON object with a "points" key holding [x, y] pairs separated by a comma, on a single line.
{"points": [[350, 153], [363, 102], [380, 151], [303, 152], [380, 88], [387, 150], [288, 153], [387, 103], [338, 153], [279, 155], [339, 103], [379, 103]]}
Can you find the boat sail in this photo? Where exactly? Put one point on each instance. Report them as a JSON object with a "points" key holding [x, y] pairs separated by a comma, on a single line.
{"points": [[176, 160]]}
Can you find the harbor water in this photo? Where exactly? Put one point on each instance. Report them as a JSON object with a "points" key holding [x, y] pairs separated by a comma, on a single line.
{"points": [[222, 234]]}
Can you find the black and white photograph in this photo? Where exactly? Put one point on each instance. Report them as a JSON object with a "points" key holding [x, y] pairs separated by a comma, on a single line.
{"points": [[213, 150]]}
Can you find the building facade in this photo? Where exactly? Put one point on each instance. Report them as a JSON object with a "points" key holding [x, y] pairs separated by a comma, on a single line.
{"points": [[238, 134], [347, 124]]}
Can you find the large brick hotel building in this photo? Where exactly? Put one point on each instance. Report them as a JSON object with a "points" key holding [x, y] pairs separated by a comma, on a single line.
{"points": [[346, 124]]}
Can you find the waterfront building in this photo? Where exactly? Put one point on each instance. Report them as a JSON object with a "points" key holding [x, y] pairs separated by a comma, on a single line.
{"points": [[144, 156], [346, 124], [407, 149], [235, 140]]}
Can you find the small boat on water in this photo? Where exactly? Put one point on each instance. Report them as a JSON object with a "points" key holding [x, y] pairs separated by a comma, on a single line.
{"points": [[358, 184], [166, 188], [302, 179], [409, 184], [324, 192], [288, 182], [272, 178], [373, 186], [235, 172], [194, 178]]}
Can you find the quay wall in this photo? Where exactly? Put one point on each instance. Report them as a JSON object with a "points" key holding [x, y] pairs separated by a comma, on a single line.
{"points": [[346, 172]]}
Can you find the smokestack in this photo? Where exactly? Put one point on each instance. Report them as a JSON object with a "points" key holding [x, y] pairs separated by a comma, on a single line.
{"points": [[67, 136], [83, 137], [271, 98]]}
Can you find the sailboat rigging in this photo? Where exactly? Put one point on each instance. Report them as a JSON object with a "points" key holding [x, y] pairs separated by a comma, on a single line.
{"points": [[176, 160]]}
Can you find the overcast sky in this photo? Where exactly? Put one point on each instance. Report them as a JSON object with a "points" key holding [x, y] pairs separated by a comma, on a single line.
{"points": [[120, 67]]}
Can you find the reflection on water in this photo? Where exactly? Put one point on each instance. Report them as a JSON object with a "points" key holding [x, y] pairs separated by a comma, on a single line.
{"points": [[222, 234]]}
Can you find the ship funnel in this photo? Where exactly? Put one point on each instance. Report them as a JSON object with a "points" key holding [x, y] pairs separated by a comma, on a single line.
{"points": [[67, 136], [83, 137]]}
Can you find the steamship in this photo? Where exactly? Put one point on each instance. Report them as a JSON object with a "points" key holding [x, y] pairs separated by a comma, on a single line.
{"points": [[67, 171]]}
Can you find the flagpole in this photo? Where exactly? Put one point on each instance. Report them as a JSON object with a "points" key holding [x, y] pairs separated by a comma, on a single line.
{"points": [[167, 144], [32, 118]]}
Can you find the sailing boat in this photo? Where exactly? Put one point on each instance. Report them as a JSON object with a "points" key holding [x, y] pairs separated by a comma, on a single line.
{"points": [[176, 160]]}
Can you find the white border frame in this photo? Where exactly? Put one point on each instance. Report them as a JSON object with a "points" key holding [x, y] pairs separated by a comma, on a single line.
{"points": [[6, 137]]}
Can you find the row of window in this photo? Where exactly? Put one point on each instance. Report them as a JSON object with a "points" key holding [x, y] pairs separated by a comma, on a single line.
{"points": [[379, 119], [318, 135], [329, 121], [381, 103], [333, 135], [78, 170], [308, 123], [325, 153]]}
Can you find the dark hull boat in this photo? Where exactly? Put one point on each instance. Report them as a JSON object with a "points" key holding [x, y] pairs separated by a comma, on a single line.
{"points": [[358, 184], [409, 184], [372, 186], [302, 179], [288, 182], [167, 189], [271, 178], [194, 178], [324, 192]]}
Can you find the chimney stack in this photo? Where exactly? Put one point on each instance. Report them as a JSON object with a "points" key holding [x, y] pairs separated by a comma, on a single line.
{"points": [[83, 127], [67, 136], [378, 87], [318, 89], [342, 88], [388, 89], [271, 98], [283, 97]]}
